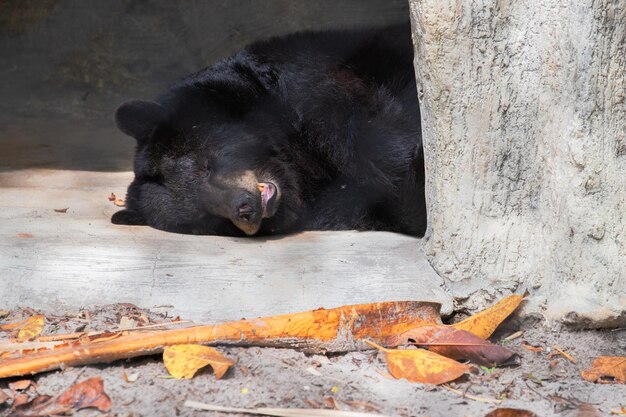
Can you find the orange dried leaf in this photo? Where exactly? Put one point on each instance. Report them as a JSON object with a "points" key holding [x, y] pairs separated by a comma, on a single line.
{"points": [[27, 328], [32, 328], [511, 412], [183, 361], [20, 385], [484, 323], [419, 365], [455, 344], [607, 367], [89, 393]]}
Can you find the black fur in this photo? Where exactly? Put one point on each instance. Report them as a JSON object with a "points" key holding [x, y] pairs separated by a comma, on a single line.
{"points": [[331, 119]]}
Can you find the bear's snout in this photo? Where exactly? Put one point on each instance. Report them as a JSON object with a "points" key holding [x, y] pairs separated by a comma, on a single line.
{"points": [[246, 212], [244, 208]]}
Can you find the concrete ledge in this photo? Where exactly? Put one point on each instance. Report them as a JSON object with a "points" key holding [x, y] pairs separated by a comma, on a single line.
{"points": [[57, 261]]}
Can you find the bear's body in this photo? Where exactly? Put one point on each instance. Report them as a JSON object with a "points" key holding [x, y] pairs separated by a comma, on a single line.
{"points": [[313, 131]]}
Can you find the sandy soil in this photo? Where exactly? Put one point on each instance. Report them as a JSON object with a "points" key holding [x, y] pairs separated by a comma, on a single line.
{"points": [[356, 381]]}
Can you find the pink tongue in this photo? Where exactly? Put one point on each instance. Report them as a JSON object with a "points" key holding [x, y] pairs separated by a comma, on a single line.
{"points": [[266, 194]]}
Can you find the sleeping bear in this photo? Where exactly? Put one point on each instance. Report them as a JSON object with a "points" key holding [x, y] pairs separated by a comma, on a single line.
{"points": [[312, 131]]}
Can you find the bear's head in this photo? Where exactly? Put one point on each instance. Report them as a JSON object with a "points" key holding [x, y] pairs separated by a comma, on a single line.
{"points": [[202, 170]]}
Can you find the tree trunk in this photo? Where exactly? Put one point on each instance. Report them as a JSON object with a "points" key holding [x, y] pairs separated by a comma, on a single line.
{"points": [[524, 124]]}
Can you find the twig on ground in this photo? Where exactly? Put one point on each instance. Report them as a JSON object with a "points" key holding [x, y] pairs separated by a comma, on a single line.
{"points": [[565, 354], [470, 396], [281, 412]]}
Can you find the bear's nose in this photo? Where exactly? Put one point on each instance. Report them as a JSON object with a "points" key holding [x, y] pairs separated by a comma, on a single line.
{"points": [[244, 209], [245, 212]]}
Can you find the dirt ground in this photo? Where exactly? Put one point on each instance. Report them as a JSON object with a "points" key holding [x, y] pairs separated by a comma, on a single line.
{"points": [[358, 381]]}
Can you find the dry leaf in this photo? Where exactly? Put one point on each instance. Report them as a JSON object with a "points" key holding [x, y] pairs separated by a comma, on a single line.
{"points": [[112, 197], [419, 365], [4, 397], [32, 328], [20, 385], [25, 235], [484, 323], [28, 328], [119, 202], [511, 412], [455, 344], [62, 210], [604, 367], [182, 361], [40, 406], [89, 393]]}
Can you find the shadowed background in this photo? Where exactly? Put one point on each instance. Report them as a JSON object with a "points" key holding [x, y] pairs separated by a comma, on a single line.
{"points": [[65, 65]]}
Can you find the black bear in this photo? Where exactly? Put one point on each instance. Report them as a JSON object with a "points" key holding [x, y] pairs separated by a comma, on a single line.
{"points": [[312, 131]]}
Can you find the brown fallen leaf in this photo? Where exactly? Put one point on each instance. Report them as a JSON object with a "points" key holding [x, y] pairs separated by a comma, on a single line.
{"points": [[607, 369], [419, 365], [40, 406], [510, 412], [20, 398], [20, 385], [89, 393], [4, 397], [454, 343], [484, 323], [25, 235], [183, 361], [117, 201], [62, 210]]}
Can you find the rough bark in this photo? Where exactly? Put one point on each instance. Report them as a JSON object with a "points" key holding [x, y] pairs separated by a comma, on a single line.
{"points": [[524, 123]]}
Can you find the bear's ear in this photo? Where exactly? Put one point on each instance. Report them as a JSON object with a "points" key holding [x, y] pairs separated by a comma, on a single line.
{"points": [[140, 119], [129, 218]]}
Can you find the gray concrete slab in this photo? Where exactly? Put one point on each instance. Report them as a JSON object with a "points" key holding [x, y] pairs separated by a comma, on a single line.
{"points": [[57, 261]]}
